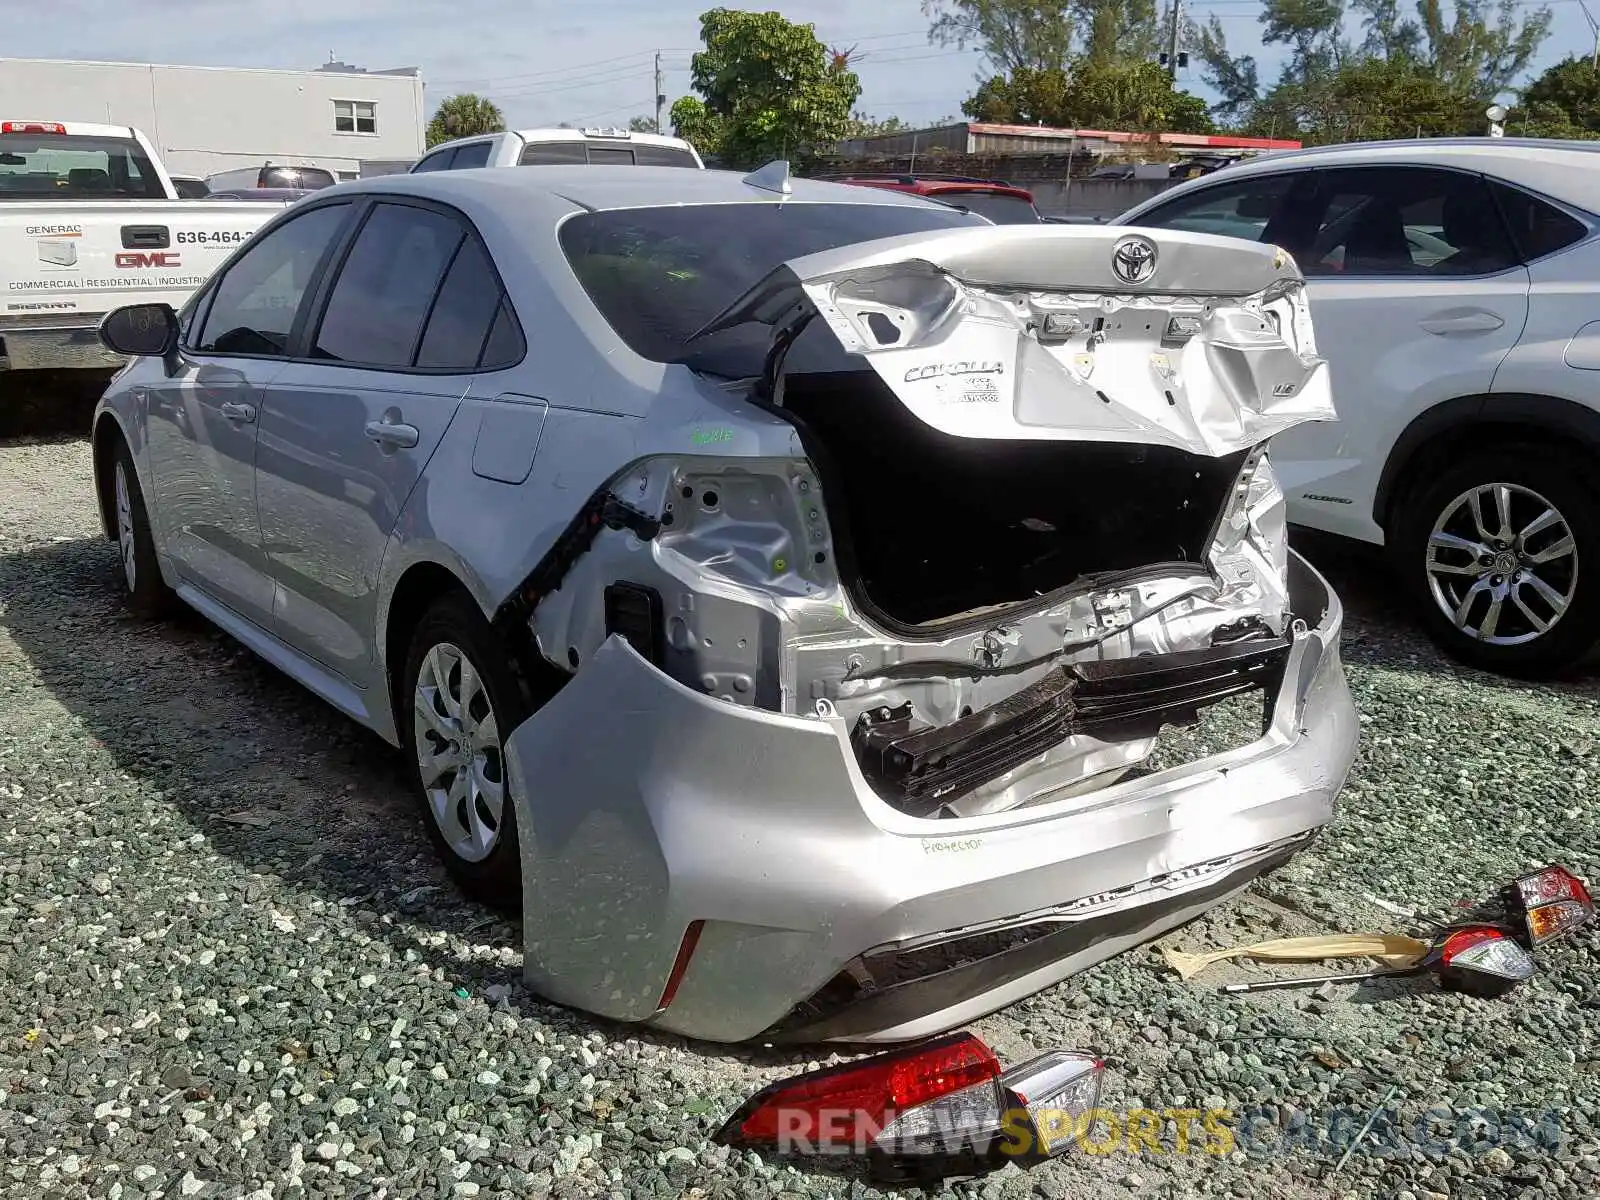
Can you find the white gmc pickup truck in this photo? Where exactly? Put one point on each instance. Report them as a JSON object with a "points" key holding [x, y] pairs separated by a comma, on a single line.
{"points": [[89, 218]]}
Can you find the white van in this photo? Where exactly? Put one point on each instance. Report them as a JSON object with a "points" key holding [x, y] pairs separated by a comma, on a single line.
{"points": [[560, 147]]}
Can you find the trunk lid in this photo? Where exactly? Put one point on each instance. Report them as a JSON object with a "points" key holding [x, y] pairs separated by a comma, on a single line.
{"points": [[1189, 341]]}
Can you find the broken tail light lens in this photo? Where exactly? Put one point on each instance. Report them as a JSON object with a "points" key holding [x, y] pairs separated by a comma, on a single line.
{"points": [[1483, 960], [903, 1096], [1553, 902], [940, 1108]]}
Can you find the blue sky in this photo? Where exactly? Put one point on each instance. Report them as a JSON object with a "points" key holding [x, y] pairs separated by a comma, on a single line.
{"points": [[545, 62]]}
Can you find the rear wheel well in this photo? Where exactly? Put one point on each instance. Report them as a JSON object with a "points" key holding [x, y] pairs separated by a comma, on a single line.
{"points": [[419, 589], [1454, 442], [106, 440]]}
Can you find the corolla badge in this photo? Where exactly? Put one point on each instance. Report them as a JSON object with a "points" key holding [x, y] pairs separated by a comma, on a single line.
{"points": [[1133, 259]]}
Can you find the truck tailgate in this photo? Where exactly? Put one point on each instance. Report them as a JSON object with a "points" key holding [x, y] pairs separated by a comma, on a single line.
{"points": [[60, 260]]}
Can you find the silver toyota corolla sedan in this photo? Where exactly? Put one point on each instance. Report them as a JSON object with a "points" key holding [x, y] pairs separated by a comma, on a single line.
{"points": [[805, 601]]}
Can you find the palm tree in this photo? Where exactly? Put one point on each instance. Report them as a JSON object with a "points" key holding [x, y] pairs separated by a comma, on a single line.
{"points": [[462, 116]]}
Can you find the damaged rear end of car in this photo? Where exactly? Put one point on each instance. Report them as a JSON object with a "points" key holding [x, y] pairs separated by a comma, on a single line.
{"points": [[950, 646]]}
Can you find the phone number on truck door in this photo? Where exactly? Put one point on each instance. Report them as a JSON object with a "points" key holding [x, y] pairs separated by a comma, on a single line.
{"points": [[210, 237]]}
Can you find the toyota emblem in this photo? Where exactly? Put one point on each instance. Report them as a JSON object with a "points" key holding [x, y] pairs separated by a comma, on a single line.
{"points": [[1133, 259]]}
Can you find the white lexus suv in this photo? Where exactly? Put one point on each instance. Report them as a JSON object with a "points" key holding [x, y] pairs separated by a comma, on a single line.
{"points": [[1455, 289]]}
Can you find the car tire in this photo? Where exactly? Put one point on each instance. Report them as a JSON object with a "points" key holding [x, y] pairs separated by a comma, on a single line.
{"points": [[456, 760], [1542, 582], [149, 597]]}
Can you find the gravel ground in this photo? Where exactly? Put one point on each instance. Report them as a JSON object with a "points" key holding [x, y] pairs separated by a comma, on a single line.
{"points": [[233, 967]]}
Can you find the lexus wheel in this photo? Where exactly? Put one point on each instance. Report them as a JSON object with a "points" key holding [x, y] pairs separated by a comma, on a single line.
{"points": [[462, 703], [1501, 552]]}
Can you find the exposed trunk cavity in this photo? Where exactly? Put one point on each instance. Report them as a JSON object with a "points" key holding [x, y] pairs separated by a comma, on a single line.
{"points": [[932, 527]]}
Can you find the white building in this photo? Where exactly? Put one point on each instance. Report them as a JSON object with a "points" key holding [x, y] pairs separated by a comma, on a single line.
{"points": [[210, 119]]}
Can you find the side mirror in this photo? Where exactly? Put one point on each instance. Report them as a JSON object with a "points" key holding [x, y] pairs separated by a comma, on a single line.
{"points": [[140, 330]]}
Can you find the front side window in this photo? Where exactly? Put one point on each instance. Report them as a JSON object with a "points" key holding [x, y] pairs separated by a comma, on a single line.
{"points": [[253, 306], [60, 166], [355, 116], [436, 162], [1377, 221], [658, 274], [386, 285], [1241, 209]]}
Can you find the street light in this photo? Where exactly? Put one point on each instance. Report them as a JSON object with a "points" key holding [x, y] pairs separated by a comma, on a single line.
{"points": [[1497, 120]]}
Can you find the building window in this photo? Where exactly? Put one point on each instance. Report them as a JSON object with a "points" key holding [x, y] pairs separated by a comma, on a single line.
{"points": [[355, 116]]}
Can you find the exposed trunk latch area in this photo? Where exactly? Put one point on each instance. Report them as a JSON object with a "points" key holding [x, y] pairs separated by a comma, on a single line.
{"points": [[918, 768]]}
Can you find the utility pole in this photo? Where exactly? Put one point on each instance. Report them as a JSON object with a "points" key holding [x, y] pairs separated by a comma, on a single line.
{"points": [[1594, 27], [1172, 42], [661, 97]]}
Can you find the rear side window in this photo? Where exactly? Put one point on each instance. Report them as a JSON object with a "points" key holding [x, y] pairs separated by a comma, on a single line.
{"points": [[468, 307], [1378, 221], [476, 154], [1241, 209], [553, 154], [386, 286], [1537, 228], [663, 156]]}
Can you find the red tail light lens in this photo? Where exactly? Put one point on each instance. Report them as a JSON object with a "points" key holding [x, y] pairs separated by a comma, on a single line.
{"points": [[1483, 960], [32, 127], [848, 1107], [1554, 902]]}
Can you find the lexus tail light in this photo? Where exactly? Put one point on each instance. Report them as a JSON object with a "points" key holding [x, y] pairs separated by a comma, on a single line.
{"points": [[1553, 902]]}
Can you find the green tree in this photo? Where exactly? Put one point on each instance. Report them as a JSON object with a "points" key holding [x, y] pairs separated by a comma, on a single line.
{"points": [[1132, 95], [642, 124], [768, 88], [1014, 35], [464, 115], [861, 126], [1566, 98]]}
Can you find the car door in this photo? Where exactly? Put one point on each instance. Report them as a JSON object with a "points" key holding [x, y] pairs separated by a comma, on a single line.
{"points": [[347, 429], [1416, 297], [202, 415]]}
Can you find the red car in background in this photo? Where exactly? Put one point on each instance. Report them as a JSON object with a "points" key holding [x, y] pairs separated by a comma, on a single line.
{"points": [[991, 198]]}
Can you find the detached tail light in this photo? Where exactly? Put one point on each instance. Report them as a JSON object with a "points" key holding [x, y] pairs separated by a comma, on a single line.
{"points": [[1553, 902], [1483, 960], [939, 1108]]}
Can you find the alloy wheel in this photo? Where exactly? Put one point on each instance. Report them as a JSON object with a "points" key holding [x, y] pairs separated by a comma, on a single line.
{"points": [[1502, 564], [125, 542], [459, 757]]}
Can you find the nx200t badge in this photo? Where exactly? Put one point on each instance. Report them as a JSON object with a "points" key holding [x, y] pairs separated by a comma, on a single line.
{"points": [[1133, 259], [954, 368]]}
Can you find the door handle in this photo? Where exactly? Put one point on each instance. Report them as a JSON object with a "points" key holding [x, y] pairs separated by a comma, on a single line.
{"points": [[392, 433], [1469, 322], [242, 413]]}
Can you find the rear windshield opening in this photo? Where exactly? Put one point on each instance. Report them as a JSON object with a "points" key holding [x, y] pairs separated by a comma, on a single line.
{"points": [[54, 166], [997, 206], [659, 274]]}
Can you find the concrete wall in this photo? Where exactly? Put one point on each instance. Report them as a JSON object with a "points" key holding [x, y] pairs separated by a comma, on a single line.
{"points": [[208, 119], [1091, 197]]}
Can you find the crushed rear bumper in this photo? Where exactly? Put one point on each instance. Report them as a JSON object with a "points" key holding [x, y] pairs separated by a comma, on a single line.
{"points": [[646, 809]]}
